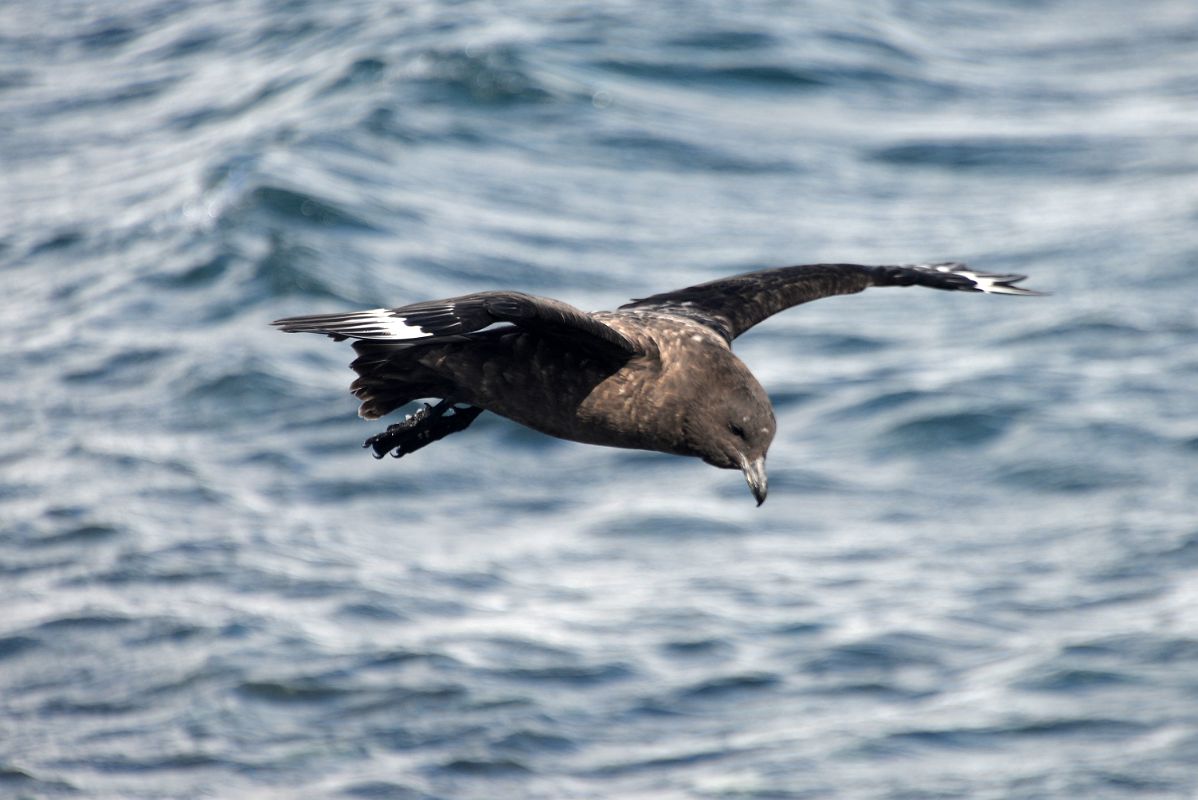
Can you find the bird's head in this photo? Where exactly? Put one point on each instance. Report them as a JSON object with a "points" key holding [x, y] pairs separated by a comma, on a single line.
{"points": [[736, 431]]}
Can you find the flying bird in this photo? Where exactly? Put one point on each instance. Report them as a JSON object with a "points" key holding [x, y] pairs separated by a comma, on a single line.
{"points": [[656, 374]]}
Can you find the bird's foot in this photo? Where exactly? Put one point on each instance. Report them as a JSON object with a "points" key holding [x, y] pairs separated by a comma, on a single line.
{"points": [[422, 428]]}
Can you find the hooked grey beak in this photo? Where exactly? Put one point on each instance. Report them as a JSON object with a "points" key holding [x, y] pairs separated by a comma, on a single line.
{"points": [[757, 479]]}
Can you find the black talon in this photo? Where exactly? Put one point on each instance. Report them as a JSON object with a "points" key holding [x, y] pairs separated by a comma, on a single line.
{"points": [[391, 438], [422, 428]]}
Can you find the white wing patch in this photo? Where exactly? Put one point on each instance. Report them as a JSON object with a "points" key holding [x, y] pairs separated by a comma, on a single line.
{"points": [[392, 327], [378, 323], [987, 282]]}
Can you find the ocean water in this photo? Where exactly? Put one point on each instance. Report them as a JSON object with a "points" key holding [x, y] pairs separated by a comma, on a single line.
{"points": [[976, 575]]}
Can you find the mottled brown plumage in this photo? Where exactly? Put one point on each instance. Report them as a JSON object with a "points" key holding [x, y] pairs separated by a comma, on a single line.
{"points": [[656, 374]]}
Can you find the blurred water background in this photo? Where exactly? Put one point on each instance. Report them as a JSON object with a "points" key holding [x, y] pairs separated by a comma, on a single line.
{"points": [[977, 572]]}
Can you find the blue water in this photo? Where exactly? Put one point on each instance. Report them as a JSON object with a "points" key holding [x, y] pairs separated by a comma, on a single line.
{"points": [[977, 572]]}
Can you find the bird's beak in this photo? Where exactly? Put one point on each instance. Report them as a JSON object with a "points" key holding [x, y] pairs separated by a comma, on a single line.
{"points": [[757, 479]]}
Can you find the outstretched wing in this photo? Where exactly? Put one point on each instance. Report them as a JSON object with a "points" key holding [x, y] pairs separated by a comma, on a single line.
{"points": [[457, 316], [733, 305]]}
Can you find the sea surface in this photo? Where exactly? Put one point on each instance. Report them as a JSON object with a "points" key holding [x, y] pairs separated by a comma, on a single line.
{"points": [[976, 575]]}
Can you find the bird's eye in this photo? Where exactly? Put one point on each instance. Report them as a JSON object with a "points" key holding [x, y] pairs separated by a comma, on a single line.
{"points": [[736, 430]]}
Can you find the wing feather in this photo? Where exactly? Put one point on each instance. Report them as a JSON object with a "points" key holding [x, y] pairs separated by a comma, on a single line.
{"points": [[733, 305], [437, 320]]}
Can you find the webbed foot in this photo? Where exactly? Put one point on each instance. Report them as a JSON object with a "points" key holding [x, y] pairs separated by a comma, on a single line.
{"points": [[422, 428]]}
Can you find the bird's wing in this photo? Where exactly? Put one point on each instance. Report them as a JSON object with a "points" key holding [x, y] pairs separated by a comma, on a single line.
{"points": [[457, 316], [733, 305]]}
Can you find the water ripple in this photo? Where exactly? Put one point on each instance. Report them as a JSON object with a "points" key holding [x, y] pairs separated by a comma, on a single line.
{"points": [[977, 562]]}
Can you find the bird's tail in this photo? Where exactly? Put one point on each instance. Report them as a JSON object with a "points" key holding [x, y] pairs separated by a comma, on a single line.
{"points": [[391, 376], [952, 276]]}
